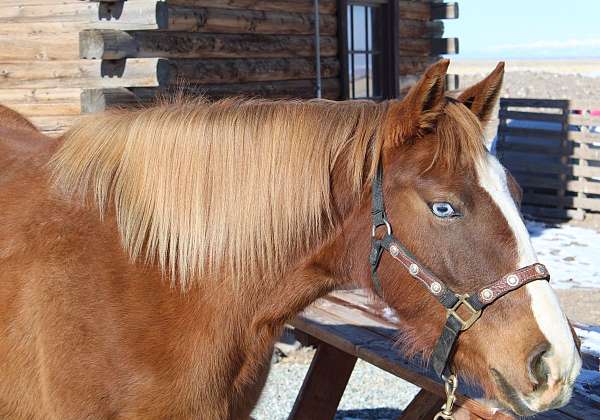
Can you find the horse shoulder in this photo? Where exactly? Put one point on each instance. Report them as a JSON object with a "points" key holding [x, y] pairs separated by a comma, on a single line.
{"points": [[10, 118]]}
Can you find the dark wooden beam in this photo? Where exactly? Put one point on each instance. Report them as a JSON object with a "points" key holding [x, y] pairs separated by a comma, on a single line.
{"points": [[296, 6], [107, 44], [424, 406], [243, 70], [444, 11], [204, 19], [324, 384]]}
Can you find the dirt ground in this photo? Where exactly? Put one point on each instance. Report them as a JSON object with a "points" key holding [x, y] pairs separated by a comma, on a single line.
{"points": [[581, 305]]}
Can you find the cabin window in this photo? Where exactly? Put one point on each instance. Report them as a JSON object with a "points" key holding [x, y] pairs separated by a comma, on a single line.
{"points": [[366, 60]]}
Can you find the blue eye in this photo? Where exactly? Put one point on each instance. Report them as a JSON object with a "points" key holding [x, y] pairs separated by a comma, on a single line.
{"points": [[443, 210]]}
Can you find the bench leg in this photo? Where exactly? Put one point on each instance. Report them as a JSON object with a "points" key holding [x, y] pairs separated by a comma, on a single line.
{"points": [[324, 384], [424, 406]]}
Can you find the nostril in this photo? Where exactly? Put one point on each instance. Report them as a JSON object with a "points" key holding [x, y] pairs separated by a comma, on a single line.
{"points": [[538, 369]]}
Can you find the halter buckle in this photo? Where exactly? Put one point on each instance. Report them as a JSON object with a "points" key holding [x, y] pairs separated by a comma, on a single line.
{"points": [[387, 226], [465, 323]]}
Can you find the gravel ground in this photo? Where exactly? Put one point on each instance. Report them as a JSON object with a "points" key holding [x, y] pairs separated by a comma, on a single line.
{"points": [[371, 392]]}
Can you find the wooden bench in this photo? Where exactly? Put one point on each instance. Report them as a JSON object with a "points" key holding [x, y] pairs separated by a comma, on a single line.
{"points": [[348, 325]]}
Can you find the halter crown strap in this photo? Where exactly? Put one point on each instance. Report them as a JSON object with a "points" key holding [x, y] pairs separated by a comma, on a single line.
{"points": [[462, 310], [379, 219]]}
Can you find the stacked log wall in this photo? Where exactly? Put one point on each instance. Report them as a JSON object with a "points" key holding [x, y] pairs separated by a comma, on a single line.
{"points": [[59, 58], [420, 39]]}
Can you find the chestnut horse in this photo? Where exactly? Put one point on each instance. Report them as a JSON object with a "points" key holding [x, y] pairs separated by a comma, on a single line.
{"points": [[11, 119], [149, 258]]}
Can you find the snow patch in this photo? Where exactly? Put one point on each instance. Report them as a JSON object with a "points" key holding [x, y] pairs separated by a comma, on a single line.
{"points": [[571, 254], [590, 341]]}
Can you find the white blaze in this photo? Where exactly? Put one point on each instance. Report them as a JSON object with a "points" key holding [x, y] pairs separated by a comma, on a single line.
{"points": [[563, 359]]}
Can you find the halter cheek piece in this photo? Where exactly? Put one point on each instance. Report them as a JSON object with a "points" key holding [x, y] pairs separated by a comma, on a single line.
{"points": [[473, 303]]}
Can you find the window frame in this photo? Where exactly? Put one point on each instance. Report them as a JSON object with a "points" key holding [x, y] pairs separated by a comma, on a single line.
{"points": [[390, 52]]}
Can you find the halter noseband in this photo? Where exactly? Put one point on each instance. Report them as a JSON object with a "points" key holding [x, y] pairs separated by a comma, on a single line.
{"points": [[451, 300]]}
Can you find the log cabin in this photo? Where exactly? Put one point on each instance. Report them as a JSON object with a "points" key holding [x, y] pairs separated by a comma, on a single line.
{"points": [[62, 58]]}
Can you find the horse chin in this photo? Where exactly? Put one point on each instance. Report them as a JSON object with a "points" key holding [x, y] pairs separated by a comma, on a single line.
{"points": [[527, 405]]}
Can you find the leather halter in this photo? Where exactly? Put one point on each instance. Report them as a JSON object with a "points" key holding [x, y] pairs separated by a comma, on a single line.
{"points": [[474, 302]]}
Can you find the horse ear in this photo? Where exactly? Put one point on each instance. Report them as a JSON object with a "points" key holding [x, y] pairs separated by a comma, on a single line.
{"points": [[481, 97], [419, 109]]}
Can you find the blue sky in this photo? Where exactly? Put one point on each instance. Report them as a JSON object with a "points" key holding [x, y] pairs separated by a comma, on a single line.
{"points": [[527, 28]]}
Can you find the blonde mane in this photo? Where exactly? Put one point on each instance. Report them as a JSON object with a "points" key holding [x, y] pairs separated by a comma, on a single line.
{"points": [[238, 185]]}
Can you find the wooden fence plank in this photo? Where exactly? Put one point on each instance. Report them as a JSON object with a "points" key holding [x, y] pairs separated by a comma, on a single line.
{"points": [[566, 201], [550, 168], [585, 152], [584, 137], [532, 132], [532, 181], [530, 116], [546, 148], [552, 213], [534, 103], [585, 119]]}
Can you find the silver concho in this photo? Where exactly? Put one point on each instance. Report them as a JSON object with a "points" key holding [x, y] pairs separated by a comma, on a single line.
{"points": [[512, 280], [435, 288], [487, 294], [394, 250], [413, 269], [540, 269]]}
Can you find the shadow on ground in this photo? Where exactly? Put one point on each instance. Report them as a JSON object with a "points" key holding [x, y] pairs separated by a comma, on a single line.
{"points": [[369, 414]]}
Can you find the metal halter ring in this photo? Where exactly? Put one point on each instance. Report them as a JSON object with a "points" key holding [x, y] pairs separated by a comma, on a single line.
{"points": [[387, 226], [462, 301]]}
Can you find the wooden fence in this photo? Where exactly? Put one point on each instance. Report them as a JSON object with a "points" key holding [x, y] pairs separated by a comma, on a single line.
{"points": [[552, 147]]}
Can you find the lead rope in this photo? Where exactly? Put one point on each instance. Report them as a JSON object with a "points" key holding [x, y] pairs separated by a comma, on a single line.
{"points": [[446, 413]]}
